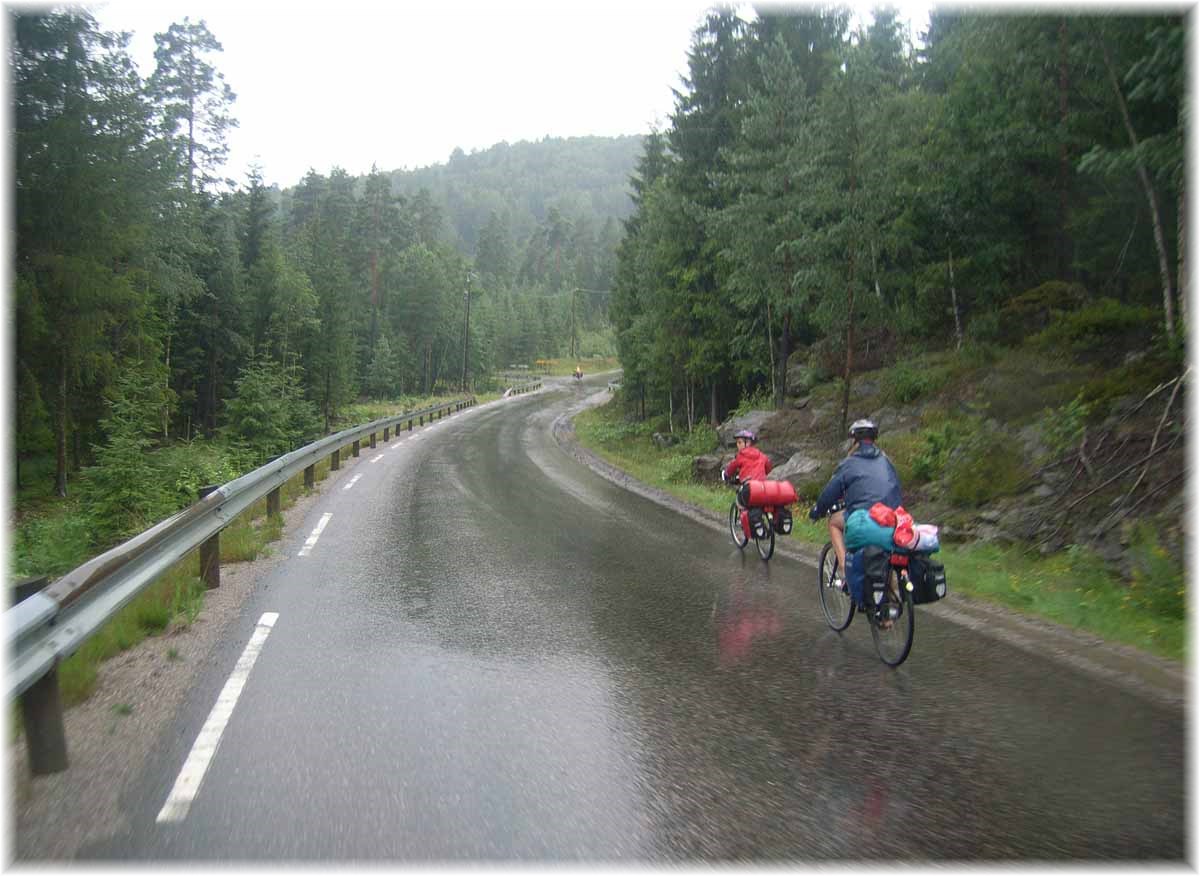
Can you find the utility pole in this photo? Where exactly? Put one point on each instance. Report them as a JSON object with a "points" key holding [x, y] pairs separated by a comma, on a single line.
{"points": [[466, 330]]}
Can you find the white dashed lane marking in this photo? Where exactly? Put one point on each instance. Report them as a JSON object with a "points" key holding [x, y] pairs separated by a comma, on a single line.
{"points": [[353, 481], [377, 458], [188, 783], [316, 534]]}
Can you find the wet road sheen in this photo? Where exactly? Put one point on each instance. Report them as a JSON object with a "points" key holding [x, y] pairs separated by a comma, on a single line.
{"points": [[494, 654]]}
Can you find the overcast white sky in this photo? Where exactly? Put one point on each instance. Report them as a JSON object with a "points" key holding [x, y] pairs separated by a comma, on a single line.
{"points": [[401, 84]]}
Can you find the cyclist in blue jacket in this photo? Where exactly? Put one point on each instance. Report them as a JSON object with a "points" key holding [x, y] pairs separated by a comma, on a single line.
{"points": [[864, 477]]}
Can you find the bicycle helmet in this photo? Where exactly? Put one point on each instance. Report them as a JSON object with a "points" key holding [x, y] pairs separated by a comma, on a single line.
{"points": [[860, 429], [747, 434]]}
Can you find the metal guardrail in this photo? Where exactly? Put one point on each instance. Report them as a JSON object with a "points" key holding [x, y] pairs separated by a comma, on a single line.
{"points": [[44, 629]]}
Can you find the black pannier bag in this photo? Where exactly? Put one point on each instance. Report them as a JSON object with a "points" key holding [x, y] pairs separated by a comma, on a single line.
{"points": [[756, 522], [783, 521], [928, 577], [875, 561]]}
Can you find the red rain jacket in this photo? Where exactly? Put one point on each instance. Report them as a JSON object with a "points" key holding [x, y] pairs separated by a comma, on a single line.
{"points": [[751, 464]]}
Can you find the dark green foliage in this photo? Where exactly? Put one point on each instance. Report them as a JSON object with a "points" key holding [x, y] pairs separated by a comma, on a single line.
{"points": [[1105, 330], [1038, 307], [123, 493], [269, 416]]}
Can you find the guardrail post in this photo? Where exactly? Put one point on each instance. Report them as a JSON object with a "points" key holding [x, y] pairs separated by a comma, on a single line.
{"points": [[372, 440], [26, 587], [410, 425], [42, 715], [385, 434], [335, 460], [210, 552], [310, 477], [273, 503], [421, 420], [354, 450]]}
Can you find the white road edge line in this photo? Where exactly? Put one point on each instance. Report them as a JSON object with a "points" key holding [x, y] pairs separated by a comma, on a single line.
{"points": [[353, 481], [377, 458], [316, 534], [188, 783]]}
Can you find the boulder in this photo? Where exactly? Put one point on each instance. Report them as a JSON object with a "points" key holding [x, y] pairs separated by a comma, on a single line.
{"points": [[801, 378], [798, 469], [707, 469], [663, 440], [753, 421]]}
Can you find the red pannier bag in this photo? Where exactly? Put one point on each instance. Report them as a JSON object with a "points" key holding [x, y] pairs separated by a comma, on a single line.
{"points": [[883, 515], [771, 493]]}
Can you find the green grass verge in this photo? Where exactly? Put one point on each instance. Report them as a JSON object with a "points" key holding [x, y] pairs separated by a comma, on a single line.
{"points": [[1073, 588]]}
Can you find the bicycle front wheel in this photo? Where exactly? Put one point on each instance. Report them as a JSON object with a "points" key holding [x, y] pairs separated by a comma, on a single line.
{"points": [[735, 526], [766, 544], [835, 602], [892, 623]]}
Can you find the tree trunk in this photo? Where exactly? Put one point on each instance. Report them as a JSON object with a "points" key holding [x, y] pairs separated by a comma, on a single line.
{"points": [[712, 405], [771, 348], [785, 350], [849, 345], [1164, 269]]}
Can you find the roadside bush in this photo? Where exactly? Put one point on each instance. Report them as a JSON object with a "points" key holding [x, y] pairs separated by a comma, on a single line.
{"points": [[1037, 306], [911, 379], [51, 544], [1063, 426], [185, 468], [929, 460], [1107, 329], [1158, 584]]}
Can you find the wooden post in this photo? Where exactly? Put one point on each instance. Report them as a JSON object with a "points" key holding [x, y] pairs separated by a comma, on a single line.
{"points": [[385, 434], [310, 477], [210, 551], [335, 460], [273, 503], [372, 440], [354, 449], [42, 715]]}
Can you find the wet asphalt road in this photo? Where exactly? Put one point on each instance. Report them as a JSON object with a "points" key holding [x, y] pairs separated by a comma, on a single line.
{"points": [[494, 654]]}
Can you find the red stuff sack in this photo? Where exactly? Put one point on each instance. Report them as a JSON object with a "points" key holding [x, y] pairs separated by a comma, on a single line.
{"points": [[882, 514], [905, 536], [771, 493]]}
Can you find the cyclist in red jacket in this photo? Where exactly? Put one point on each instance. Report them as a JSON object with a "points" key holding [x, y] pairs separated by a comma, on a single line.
{"points": [[750, 464]]}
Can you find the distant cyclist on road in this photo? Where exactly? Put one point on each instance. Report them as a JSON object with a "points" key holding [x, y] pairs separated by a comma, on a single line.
{"points": [[750, 464], [864, 477]]}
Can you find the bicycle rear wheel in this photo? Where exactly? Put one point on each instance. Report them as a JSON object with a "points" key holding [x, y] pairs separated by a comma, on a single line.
{"points": [[835, 602], [892, 623], [735, 526], [766, 544]]}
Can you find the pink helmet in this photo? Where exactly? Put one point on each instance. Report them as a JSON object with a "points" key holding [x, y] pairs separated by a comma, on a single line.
{"points": [[747, 434]]}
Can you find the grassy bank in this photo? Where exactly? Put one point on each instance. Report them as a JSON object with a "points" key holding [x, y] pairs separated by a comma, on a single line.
{"points": [[1073, 588]]}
